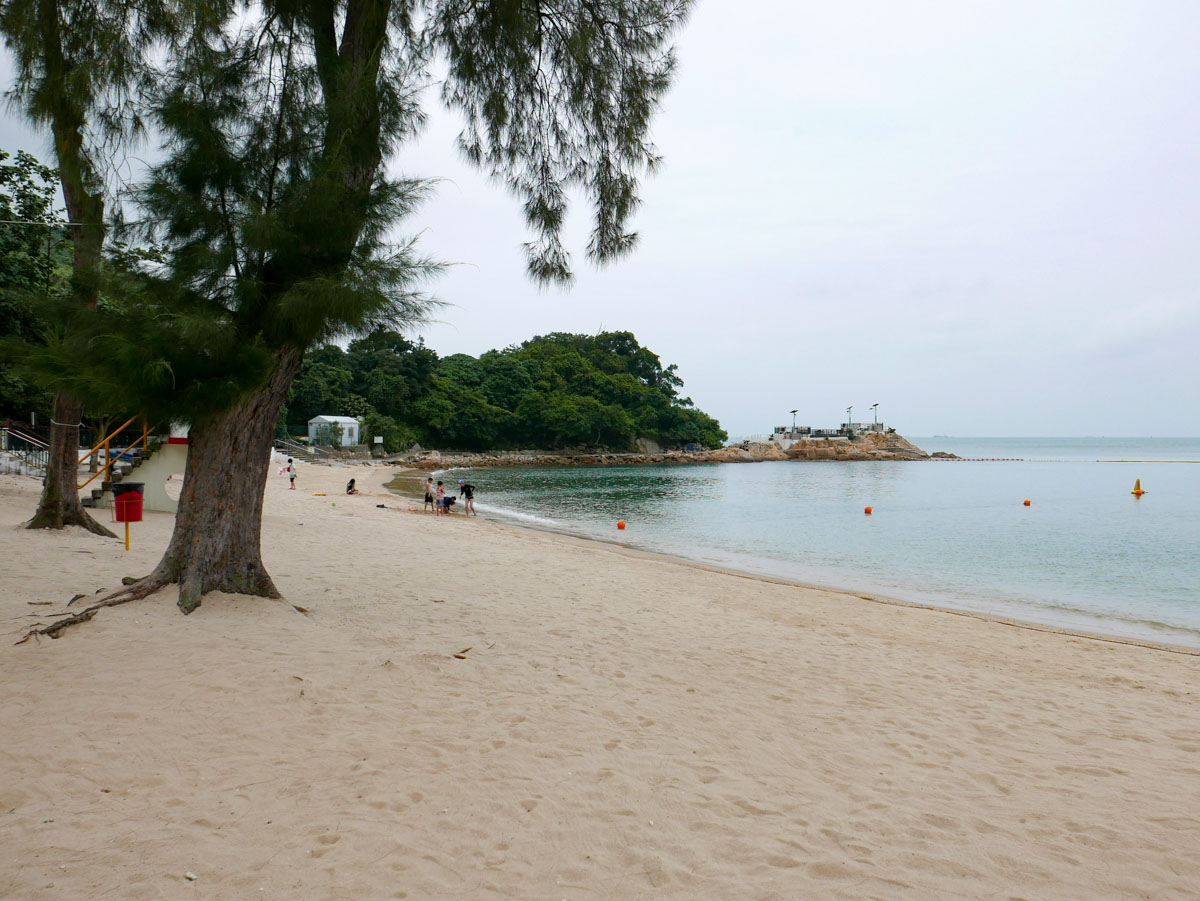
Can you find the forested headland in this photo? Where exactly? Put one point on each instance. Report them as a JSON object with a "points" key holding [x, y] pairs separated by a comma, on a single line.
{"points": [[550, 392]]}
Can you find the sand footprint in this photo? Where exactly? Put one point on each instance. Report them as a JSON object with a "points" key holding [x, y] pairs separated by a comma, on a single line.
{"points": [[328, 840]]}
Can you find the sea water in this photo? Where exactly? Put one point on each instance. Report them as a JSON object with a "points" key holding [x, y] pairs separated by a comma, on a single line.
{"points": [[1085, 554]]}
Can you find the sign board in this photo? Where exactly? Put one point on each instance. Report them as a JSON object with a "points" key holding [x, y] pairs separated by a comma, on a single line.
{"points": [[379, 439]]}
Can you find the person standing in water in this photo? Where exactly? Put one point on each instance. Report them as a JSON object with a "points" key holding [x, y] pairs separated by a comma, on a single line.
{"points": [[467, 493]]}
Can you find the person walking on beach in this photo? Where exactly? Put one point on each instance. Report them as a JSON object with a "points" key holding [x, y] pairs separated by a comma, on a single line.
{"points": [[467, 493], [429, 498], [441, 495], [291, 471]]}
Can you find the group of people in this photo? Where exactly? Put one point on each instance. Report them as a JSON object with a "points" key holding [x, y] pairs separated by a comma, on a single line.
{"points": [[436, 497], [441, 502]]}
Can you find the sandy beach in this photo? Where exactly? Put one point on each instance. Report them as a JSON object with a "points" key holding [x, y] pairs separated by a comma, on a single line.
{"points": [[470, 710]]}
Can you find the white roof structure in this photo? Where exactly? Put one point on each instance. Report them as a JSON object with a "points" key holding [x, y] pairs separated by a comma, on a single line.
{"points": [[340, 420]]}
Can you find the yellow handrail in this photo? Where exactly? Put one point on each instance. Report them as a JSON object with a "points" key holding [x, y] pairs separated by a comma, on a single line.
{"points": [[104, 443]]}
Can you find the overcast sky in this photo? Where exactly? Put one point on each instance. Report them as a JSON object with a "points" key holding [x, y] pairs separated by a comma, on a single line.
{"points": [[984, 216]]}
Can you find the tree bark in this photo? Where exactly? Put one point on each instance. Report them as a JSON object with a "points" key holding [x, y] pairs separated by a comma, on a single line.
{"points": [[59, 505], [216, 542]]}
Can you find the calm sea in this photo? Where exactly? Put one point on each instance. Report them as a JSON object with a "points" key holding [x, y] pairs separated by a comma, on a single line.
{"points": [[1085, 554]]}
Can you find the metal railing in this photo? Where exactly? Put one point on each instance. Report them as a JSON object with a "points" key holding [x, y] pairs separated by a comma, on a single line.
{"points": [[109, 459], [296, 448], [30, 453]]}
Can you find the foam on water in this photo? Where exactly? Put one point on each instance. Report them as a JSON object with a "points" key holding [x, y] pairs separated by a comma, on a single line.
{"points": [[521, 517]]}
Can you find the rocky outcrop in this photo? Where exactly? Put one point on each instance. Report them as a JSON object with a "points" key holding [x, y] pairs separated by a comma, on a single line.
{"points": [[871, 446], [865, 447], [750, 452]]}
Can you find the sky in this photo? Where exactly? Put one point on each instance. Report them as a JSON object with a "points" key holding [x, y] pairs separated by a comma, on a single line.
{"points": [[983, 216]]}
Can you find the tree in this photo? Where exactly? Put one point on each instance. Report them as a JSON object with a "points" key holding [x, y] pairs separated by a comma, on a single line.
{"points": [[390, 371], [273, 206], [579, 382], [272, 212], [318, 391], [77, 62], [505, 379]]}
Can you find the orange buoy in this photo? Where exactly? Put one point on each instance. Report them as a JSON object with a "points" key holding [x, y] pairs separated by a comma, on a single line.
{"points": [[621, 524], [1026, 503], [867, 510]]}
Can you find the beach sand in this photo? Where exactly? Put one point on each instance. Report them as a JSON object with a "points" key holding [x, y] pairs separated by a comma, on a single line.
{"points": [[470, 710]]}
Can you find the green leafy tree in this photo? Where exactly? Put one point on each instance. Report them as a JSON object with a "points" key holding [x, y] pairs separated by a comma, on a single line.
{"points": [[506, 379], [319, 390], [34, 265], [397, 436], [391, 372], [553, 392], [579, 382], [458, 415]]}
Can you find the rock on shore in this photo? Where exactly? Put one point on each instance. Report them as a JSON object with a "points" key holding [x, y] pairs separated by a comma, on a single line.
{"points": [[872, 446]]}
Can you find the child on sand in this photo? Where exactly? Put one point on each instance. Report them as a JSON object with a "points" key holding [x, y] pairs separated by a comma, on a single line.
{"points": [[429, 499], [291, 471], [441, 495]]}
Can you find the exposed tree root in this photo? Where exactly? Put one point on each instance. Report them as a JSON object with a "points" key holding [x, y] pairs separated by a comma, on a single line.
{"points": [[59, 519], [215, 545], [191, 589], [135, 592]]}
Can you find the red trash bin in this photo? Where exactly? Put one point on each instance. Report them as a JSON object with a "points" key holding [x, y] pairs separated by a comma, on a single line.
{"points": [[127, 501]]}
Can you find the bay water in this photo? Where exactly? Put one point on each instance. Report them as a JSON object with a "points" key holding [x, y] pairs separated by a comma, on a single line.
{"points": [[1085, 554]]}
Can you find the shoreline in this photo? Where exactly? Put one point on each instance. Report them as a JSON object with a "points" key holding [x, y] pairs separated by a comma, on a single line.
{"points": [[415, 478], [870, 447]]}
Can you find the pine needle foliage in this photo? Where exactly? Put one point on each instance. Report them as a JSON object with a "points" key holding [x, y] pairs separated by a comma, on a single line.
{"points": [[558, 95], [276, 121], [273, 213]]}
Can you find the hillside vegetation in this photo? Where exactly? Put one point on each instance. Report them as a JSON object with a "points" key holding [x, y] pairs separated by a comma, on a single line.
{"points": [[552, 391]]}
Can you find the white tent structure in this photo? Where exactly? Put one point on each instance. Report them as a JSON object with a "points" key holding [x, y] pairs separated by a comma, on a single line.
{"points": [[344, 428]]}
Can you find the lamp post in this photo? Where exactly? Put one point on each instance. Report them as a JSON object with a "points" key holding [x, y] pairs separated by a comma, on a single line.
{"points": [[875, 407], [794, 412], [849, 421]]}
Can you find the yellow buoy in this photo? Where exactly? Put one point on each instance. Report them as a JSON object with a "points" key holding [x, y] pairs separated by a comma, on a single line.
{"points": [[1137, 488]]}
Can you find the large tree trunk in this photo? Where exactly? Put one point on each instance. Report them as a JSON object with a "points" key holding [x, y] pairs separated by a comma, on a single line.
{"points": [[59, 505], [216, 542]]}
